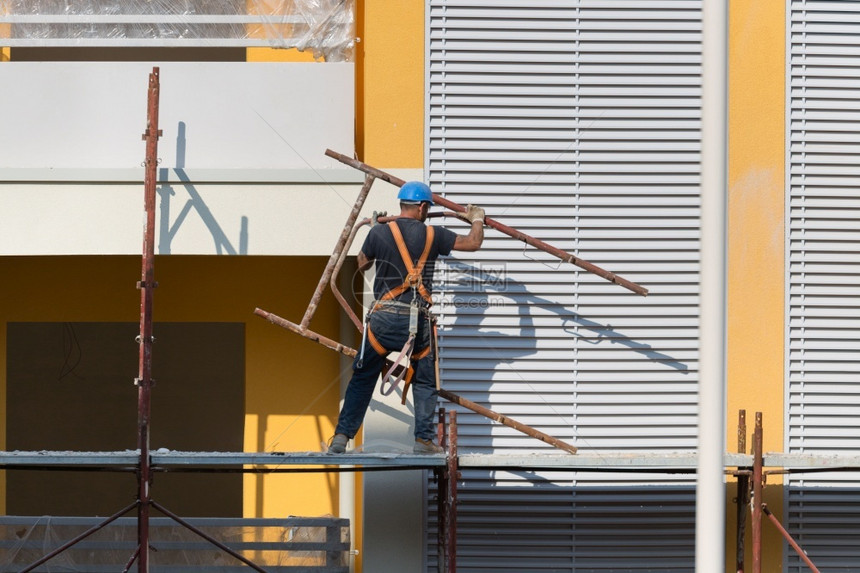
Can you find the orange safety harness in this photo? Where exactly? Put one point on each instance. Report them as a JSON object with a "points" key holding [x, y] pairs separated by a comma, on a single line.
{"points": [[414, 281], [413, 272]]}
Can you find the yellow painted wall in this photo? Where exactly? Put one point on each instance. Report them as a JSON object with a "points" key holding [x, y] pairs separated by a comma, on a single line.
{"points": [[390, 83], [273, 55], [270, 54], [756, 181], [292, 385]]}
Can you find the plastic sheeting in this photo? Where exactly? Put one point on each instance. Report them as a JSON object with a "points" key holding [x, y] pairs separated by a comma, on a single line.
{"points": [[320, 546], [324, 27]]}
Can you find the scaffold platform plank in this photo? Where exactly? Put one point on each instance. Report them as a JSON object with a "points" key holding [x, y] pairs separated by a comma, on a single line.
{"points": [[645, 461], [366, 459], [813, 461], [581, 461], [178, 459], [548, 461], [46, 458]]}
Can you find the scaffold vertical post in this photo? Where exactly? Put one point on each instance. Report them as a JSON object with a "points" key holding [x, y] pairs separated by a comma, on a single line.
{"points": [[339, 247], [757, 499], [742, 495], [451, 494], [146, 286], [441, 501]]}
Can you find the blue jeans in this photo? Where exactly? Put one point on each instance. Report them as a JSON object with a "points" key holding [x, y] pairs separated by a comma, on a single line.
{"points": [[391, 329]]}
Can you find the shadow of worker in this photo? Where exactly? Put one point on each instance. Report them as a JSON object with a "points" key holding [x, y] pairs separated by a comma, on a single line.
{"points": [[503, 348]]}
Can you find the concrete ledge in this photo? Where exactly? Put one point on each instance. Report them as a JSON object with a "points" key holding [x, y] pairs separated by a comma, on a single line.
{"points": [[174, 175]]}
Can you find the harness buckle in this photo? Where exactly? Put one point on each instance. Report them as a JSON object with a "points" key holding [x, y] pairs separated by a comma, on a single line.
{"points": [[413, 318]]}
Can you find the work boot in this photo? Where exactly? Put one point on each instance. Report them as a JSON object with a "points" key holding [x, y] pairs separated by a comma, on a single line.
{"points": [[423, 446], [338, 444]]}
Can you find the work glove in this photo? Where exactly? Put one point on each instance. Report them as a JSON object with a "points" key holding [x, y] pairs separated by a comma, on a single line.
{"points": [[374, 220], [474, 213]]}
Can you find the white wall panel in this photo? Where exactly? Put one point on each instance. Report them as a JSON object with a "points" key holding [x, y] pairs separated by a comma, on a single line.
{"points": [[242, 158], [214, 115], [240, 218]]}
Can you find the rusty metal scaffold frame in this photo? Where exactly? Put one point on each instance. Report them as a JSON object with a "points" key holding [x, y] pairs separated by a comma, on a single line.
{"points": [[144, 382], [338, 256], [755, 477], [448, 475]]}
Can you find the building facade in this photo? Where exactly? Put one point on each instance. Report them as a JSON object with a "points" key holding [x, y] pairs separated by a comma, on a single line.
{"points": [[576, 122]]}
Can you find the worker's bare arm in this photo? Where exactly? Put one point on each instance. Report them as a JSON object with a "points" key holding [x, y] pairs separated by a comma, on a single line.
{"points": [[363, 262], [472, 241]]}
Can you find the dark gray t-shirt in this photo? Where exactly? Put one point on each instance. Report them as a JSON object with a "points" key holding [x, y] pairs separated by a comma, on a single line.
{"points": [[390, 270]]}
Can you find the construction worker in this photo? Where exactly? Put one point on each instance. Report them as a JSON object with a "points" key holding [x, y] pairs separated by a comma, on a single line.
{"points": [[404, 252]]}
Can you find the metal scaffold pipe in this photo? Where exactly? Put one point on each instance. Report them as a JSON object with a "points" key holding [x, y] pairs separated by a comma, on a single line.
{"points": [[146, 286], [502, 228], [450, 396], [794, 545], [341, 246]]}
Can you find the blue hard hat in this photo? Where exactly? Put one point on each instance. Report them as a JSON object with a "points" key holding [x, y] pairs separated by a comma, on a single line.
{"points": [[415, 192]]}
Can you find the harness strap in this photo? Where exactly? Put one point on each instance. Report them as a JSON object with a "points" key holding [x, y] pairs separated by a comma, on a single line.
{"points": [[405, 372], [413, 277], [408, 380], [405, 360], [373, 341], [413, 280], [421, 354]]}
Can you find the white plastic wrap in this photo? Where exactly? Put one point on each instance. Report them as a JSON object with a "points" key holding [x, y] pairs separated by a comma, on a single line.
{"points": [[319, 547], [324, 27]]}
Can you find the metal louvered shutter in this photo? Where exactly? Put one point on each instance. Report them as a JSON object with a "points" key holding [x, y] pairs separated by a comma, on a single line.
{"points": [[577, 122], [824, 258]]}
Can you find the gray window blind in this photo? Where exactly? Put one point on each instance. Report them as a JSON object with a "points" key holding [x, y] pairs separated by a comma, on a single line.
{"points": [[577, 122], [824, 276]]}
